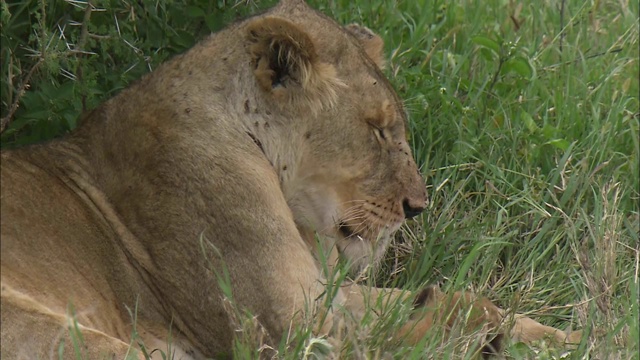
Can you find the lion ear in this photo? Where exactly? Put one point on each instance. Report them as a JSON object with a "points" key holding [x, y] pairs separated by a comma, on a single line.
{"points": [[372, 43], [286, 64]]}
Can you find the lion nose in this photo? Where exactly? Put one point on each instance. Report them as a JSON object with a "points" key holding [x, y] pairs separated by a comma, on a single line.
{"points": [[411, 210]]}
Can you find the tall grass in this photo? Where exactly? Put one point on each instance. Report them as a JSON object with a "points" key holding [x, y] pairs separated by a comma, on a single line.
{"points": [[524, 120]]}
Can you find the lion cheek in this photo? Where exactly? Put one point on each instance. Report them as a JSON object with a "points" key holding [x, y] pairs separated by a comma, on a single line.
{"points": [[314, 207]]}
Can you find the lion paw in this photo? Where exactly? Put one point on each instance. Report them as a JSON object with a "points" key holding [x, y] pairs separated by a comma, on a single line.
{"points": [[464, 312]]}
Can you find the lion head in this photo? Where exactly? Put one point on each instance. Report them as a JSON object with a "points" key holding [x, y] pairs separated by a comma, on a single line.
{"points": [[339, 143]]}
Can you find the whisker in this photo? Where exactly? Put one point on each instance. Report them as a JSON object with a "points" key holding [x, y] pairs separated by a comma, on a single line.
{"points": [[356, 214], [356, 217], [356, 206], [352, 216], [353, 201]]}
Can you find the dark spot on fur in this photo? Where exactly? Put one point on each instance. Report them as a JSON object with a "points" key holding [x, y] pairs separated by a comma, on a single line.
{"points": [[427, 293], [375, 83], [246, 106], [307, 135], [190, 72], [224, 59], [284, 167], [187, 110], [493, 348], [267, 112], [345, 230], [256, 124], [256, 141], [266, 125]]}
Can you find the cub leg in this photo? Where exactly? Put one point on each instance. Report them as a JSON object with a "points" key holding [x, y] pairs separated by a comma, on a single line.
{"points": [[438, 304], [528, 330], [434, 308], [520, 328]]}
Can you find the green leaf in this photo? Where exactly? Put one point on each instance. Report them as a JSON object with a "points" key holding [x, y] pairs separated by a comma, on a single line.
{"points": [[487, 43], [561, 144], [487, 54], [214, 21], [528, 122], [549, 132], [195, 12], [64, 91], [520, 66], [38, 115], [183, 40], [519, 350], [71, 119]]}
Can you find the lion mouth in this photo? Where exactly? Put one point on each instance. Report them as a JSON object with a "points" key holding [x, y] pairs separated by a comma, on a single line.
{"points": [[348, 232]]}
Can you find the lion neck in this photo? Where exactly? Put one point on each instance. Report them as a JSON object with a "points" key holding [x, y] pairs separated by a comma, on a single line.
{"points": [[280, 142]]}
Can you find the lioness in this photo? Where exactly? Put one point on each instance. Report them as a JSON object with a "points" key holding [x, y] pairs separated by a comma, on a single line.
{"points": [[276, 128]]}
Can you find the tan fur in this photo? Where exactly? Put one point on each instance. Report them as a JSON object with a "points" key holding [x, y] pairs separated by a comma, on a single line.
{"points": [[233, 154]]}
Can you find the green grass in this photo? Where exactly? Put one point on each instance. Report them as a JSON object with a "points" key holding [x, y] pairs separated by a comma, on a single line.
{"points": [[524, 121]]}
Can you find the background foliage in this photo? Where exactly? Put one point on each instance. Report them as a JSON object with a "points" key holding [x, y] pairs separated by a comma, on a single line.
{"points": [[524, 118]]}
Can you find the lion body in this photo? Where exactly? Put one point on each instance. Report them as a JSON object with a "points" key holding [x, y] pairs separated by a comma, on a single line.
{"points": [[227, 156], [111, 218]]}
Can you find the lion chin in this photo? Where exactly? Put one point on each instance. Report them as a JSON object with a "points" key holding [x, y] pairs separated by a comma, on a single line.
{"points": [[362, 252]]}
